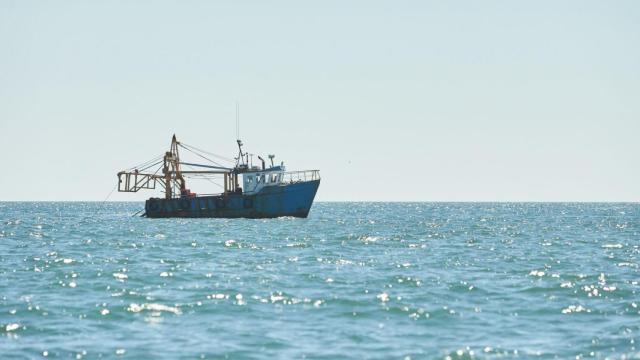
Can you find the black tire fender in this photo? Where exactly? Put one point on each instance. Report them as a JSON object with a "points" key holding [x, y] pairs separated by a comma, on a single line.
{"points": [[154, 205], [185, 204], [248, 203], [220, 203]]}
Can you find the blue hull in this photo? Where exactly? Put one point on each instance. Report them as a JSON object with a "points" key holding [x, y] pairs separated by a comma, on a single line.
{"points": [[271, 202]]}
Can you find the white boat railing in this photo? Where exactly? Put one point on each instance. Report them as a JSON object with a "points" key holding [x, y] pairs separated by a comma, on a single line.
{"points": [[300, 176]]}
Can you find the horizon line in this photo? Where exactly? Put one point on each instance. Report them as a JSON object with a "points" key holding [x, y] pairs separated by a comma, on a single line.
{"points": [[375, 201]]}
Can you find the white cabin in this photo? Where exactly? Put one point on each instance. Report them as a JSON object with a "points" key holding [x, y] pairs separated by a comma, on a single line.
{"points": [[253, 182]]}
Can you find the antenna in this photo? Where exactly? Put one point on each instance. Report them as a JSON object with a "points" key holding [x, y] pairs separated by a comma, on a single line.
{"points": [[237, 120]]}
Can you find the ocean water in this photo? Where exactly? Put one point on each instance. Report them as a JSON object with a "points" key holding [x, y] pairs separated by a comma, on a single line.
{"points": [[353, 281]]}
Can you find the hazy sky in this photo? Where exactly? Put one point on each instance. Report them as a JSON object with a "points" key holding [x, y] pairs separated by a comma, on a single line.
{"points": [[394, 100]]}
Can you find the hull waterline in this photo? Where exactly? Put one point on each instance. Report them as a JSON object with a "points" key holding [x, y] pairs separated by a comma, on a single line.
{"points": [[294, 199]]}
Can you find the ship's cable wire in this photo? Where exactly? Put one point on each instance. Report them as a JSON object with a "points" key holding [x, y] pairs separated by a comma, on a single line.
{"points": [[154, 164], [202, 156], [105, 200], [209, 153], [204, 178], [146, 163], [209, 180]]}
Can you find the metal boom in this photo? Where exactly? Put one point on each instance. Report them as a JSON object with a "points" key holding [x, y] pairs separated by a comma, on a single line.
{"points": [[172, 175]]}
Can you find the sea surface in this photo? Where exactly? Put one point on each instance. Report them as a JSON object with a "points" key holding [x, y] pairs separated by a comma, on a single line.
{"points": [[353, 281]]}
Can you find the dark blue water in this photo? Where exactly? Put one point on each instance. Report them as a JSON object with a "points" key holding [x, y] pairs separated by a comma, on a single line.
{"points": [[354, 280]]}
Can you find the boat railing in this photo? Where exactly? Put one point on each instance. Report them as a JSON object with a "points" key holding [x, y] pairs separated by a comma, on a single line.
{"points": [[300, 176], [135, 181]]}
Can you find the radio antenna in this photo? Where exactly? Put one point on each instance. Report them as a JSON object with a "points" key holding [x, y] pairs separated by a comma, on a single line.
{"points": [[237, 120]]}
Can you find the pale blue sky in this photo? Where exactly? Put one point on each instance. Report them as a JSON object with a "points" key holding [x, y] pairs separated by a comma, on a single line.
{"points": [[394, 100]]}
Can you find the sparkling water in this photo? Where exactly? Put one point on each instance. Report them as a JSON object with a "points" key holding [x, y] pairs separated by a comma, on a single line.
{"points": [[354, 280]]}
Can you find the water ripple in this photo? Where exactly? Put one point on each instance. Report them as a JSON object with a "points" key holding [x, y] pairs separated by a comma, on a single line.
{"points": [[355, 280]]}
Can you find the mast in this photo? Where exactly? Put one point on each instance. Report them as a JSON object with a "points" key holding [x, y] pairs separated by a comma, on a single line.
{"points": [[240, 154], [171, 167]]}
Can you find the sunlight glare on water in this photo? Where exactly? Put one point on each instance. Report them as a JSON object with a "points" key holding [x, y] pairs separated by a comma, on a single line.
{"points": [[354, 280]]}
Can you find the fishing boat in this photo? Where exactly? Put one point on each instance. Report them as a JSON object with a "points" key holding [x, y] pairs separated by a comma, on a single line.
{"points": [[266, 191]]}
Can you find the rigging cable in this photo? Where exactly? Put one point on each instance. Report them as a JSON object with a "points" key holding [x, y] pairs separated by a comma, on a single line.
{"points": [[105, 200], [154, 164], [208, 153], [204, 178], [146, 162], [202, 156]]}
